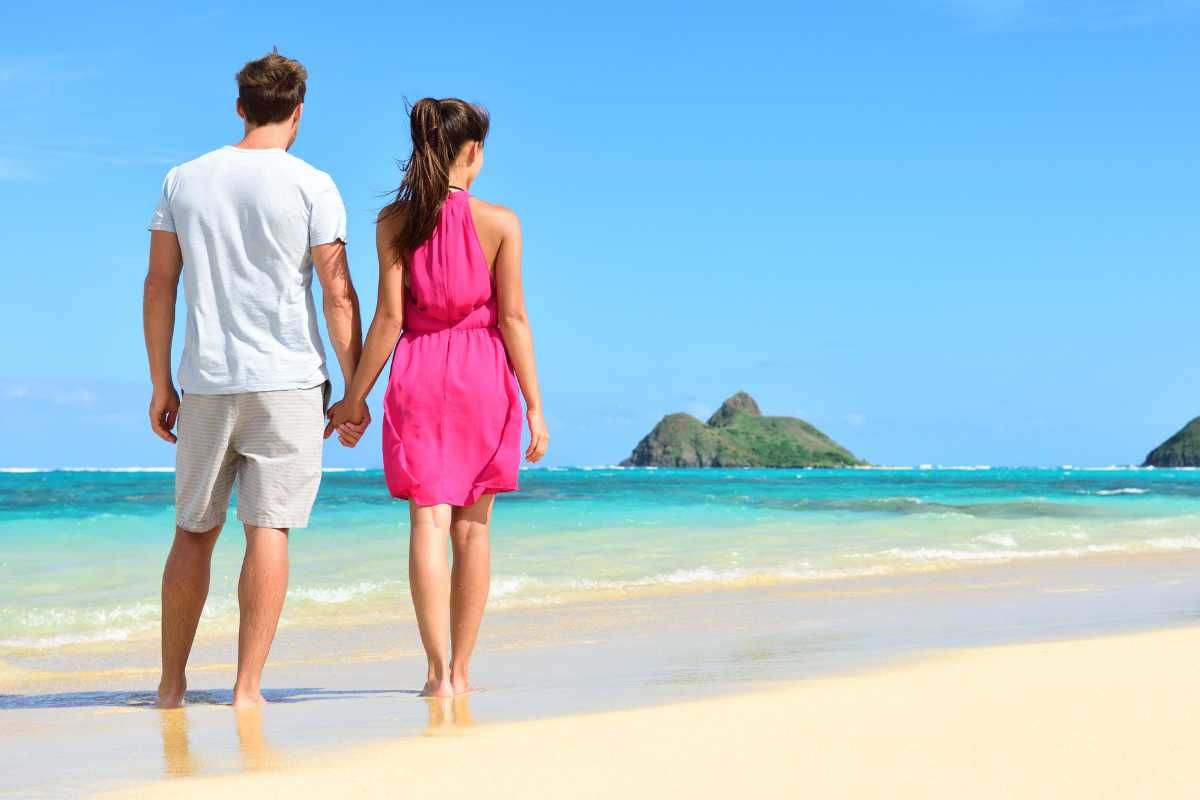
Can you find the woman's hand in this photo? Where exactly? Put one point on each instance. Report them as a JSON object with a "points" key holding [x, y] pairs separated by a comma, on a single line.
{"points": [[539, 437], [350, 419]]}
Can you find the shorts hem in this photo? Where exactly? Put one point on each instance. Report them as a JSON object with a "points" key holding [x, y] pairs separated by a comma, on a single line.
{"points": [[274, 522], [199, 526]]}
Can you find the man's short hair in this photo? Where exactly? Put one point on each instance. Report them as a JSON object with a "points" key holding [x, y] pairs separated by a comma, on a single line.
{"points": [[270, 88]]}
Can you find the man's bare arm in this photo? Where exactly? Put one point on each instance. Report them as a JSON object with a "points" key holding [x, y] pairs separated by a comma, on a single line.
{"points": [[349, 416], [158, 322], [342, 316]]}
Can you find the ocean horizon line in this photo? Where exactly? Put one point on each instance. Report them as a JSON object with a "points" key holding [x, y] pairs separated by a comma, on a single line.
{"points": [[17, 470]]}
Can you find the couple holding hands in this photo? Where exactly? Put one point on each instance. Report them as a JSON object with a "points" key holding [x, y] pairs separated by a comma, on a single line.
{"points": [[245, 227]]}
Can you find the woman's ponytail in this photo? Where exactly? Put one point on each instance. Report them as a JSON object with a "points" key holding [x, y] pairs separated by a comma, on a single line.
{"points": [[439, 130]]}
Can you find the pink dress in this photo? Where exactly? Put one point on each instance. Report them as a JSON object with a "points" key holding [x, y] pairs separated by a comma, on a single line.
{"points": [[452, 415]]}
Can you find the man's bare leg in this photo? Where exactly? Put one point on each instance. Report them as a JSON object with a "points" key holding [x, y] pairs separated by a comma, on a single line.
{"points": [[429, 580], [471, 578], [184, 590], [261, 592], [256, 752]]}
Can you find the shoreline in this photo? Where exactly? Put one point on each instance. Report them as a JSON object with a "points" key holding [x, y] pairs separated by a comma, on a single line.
{"points": [[356, 685], [86, 555], [508, 628], [1096, 717]]}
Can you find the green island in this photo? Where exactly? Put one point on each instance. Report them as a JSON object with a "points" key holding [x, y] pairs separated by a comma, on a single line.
{"points": [[1181, 450], [738, 435]]}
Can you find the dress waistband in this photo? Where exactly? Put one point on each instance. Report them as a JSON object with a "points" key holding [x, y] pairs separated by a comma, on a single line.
{"points": [[419, 323]]}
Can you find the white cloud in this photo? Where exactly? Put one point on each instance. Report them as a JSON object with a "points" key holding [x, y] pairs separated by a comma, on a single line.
{"points": [[59, 395], [1072, 14], [75, 397], [40, 70], [35, 82], [994, 12], [117, 155], [857, 419], [13, 169]]}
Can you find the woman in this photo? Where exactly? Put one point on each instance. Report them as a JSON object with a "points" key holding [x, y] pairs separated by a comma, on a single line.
{"points": [[450, 279]]}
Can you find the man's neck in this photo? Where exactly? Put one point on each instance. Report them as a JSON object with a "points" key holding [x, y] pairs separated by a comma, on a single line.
{"points": [[265, 137]]}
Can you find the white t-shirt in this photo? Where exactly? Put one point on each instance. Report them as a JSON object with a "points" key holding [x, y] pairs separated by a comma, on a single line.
{"points": [[246, 220]]}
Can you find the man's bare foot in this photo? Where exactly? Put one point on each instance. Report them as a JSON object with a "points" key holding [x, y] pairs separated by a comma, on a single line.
{"points": [[436, 688], [171, 694]]}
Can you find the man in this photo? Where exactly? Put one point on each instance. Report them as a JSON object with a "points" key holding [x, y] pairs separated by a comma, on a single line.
{"points": [[246, 225]]}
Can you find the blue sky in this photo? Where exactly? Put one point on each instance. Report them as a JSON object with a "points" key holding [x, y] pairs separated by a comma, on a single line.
{"points": [[944, 232]]}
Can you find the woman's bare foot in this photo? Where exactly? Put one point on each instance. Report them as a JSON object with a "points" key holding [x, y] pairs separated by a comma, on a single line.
{"points": [[460, 682], [245, 700], [441, 716], [461, 705], [171, 694], [437, 688]]}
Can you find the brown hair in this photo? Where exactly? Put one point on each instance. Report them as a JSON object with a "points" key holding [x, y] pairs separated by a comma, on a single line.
{"points": [[270, 88], [439, 128]]}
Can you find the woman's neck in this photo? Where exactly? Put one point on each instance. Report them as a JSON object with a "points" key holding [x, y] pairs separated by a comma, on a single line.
{"points": [[461, 179]]}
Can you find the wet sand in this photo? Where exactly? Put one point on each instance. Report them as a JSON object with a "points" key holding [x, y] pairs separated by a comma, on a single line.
{"points": [[1098, 718], [80, 721]]}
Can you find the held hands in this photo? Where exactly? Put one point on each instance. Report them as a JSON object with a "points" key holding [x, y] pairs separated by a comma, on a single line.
{"points": [[539, 436], [349, 419], [164, 410]]}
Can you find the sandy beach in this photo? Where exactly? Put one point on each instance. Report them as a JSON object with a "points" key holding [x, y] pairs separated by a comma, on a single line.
{"points": [[1065, 679], [774, 401], [1096, 718], [964, 631]]}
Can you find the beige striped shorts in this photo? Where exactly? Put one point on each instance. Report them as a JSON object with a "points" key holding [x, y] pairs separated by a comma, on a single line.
{"points": [[271, 442]]}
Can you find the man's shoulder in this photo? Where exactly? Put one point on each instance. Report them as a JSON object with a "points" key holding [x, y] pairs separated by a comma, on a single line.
{"points": [[199, 162], [318, 179], [191, 168], [278, 166]]}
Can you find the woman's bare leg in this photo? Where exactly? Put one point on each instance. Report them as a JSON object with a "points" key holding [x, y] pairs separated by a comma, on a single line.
{"points": [[429, 579], [470, 579]]}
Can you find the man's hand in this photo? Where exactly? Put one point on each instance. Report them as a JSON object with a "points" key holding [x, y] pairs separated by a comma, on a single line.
{"points": [[350, 420], [539, 436], [164, 409]]}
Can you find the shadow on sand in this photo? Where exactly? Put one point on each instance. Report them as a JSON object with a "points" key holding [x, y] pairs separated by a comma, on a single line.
{"points": [[10, 702]]}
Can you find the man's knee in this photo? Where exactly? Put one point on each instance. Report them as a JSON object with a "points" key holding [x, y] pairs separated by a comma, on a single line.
{"points": [[196, 543], [262, 535]]}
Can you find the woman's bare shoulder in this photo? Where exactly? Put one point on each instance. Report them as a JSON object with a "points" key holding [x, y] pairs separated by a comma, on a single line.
{"points": [[494, 215], [391, 217]]}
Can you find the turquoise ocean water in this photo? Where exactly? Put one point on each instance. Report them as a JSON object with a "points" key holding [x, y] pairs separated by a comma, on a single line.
{"points": [[81, 552]]}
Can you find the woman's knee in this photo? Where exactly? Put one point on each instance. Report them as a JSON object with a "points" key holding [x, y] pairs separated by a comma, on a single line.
{"points": [[466, 532]]}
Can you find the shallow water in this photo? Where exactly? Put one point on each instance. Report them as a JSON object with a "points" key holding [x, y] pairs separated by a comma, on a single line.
{"points": [[85, 721], [82, 551]]}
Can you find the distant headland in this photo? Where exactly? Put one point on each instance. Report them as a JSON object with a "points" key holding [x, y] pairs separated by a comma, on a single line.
{"points": [[738, 435], [1181, 450]]}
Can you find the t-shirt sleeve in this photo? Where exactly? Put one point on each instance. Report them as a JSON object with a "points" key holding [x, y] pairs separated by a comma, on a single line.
{"points": [[163, 219], [327, 218]]}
